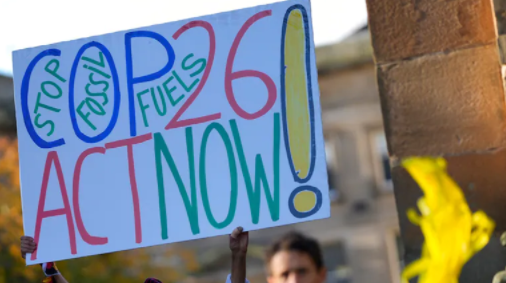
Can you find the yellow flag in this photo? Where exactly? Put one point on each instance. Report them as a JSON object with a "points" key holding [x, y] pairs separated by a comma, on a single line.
{"points": [[452, 233]]}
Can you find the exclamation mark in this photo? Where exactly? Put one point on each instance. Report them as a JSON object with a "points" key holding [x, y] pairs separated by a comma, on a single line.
{"points": [[298, 110]]}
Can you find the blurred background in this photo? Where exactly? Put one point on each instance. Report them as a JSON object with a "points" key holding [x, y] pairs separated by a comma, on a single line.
{"points": [[361, 240]]}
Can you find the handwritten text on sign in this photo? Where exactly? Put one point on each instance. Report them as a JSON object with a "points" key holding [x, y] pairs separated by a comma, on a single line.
{"points": [[173, 132]]}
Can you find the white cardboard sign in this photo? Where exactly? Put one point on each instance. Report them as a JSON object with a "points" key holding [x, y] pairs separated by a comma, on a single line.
{"points": [[172, 132]]}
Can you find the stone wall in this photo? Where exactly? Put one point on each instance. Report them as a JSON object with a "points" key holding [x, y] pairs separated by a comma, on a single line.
{"points": [[441, 90]]}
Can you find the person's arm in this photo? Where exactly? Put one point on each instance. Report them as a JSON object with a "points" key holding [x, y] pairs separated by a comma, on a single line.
{"points": [[59, 279], [28, 246], [239, 247], [52, 272]]}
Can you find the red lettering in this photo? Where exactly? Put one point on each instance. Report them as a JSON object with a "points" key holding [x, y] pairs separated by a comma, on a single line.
{"points": [[92, 240], [175, 122], [52, 157], [131, 171], [230, 75]]}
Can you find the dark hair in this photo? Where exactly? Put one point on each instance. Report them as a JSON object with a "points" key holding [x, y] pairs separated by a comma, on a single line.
{"points": [[297, 242]]}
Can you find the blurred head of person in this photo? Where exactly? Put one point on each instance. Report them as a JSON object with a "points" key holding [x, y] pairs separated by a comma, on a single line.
{"points": [[152, 280], [295, 258]]}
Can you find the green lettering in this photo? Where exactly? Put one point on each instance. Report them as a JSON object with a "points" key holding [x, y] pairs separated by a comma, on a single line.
{"points": [[86, 116], [45, 106], [55, 96], [233, 176], [186, 88], [170, 91], [54, 70], [143, 107], [103, 93], [200, 61], [155, 101], [260, 176], [99, 110], [190, 205], [101, 63], [105, 75], [47, 122]]}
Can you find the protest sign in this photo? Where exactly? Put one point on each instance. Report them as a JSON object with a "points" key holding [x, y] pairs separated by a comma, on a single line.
{"points": [[171, 132]]}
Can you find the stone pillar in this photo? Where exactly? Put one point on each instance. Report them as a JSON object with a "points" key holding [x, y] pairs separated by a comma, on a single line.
{"points": [[439, 78], [500, 13]]}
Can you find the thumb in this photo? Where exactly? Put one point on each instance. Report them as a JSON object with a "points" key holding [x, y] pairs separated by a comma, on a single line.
{"points": [[237, 231]]}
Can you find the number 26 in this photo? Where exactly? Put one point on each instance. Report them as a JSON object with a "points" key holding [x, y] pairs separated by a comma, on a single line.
{"points": [[230, 76]]}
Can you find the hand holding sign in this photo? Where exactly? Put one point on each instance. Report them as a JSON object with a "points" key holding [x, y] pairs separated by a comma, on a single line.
{"points": [[171, 132]]}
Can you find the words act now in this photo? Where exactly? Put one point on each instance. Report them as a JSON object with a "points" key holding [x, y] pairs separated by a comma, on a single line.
{"points": [[254, 177]]}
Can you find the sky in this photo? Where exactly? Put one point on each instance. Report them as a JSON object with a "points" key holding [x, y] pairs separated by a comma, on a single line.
{"points": [[29, 23]]}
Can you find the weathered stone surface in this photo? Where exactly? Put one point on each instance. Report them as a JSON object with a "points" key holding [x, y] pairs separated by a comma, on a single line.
{"points": [[444, 103], [406, 28], [482, 178]]}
